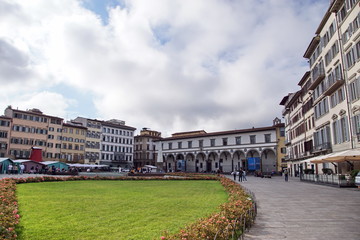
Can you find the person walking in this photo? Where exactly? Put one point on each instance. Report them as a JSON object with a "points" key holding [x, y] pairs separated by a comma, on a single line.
{"points": [[286, 173], [240, 175], [22, 168], [234, 174], [244, 175]]}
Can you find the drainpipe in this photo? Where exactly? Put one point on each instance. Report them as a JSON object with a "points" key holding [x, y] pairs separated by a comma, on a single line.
{"points": [[342, 59]]}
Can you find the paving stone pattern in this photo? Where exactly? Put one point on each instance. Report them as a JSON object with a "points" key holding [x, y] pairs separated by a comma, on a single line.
{"points": [[303, 211]]}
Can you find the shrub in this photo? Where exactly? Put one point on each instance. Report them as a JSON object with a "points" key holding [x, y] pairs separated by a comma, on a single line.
{"points": [[309, 171], [353, 173], [9, 216], [327, 171]]}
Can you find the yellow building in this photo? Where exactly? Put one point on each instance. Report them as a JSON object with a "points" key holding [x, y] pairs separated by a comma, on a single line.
{"points": [[92, 143], [30, 129], [73, 143]]}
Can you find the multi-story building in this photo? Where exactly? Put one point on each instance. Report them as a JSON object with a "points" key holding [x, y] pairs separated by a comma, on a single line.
{"points": [[73, 143], [5, 128], [324, 116], [30, 129], [53, 147], [93, 139], [145, 149], [116, 146], [254, 149]]}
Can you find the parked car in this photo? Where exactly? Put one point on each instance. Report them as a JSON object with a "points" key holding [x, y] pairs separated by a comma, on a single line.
{"points": [[357, 179]]}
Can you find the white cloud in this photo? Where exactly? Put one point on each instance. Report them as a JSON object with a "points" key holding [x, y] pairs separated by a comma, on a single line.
{"points": [[172, 66], [49, 103]]}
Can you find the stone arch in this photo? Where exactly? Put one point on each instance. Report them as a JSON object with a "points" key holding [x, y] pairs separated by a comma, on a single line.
{"points": [[210, 162], [239, 160], [200, 159], [268, 160], [225, 161], [251, 163], [190, 162], [180, 163], [170, 163]]}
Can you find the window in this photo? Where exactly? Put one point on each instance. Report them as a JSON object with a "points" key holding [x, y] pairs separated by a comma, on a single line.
{"points": [[350, 58], [201, 143], [212, 142], [354, 90], [340, 131], [238, 140], [267, 138], [189, 144], [225, 141], [170, 145], [283, 150], [179, 145], [252, 139]]}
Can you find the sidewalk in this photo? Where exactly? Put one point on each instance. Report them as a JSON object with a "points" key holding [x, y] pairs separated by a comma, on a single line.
{"points": [[297, 210]]}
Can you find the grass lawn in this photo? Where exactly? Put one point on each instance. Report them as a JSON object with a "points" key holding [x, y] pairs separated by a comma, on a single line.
{"points": [[114, 209]]}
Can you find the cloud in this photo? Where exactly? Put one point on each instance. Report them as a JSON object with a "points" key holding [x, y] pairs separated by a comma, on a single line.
{"points": [[171, 66], [49, 103]]}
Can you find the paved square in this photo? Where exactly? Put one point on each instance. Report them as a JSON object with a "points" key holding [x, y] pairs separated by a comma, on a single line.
{"points": [[297, 210]]}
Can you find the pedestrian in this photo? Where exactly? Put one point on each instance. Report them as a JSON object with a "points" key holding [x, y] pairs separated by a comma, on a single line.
{"points": [[240, 175], [22, 168], [234, 174], [286, 173], [10, 169], [244, 175]]}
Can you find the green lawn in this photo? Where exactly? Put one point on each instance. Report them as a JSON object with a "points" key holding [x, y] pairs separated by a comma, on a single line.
{"points": [[113, 209]]}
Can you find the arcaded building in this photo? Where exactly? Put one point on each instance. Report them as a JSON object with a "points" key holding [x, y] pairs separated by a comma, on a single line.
{"points": [[253, 149]]}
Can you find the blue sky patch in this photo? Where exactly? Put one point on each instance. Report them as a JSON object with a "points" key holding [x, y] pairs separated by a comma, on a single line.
{"points": [[100, 7]]}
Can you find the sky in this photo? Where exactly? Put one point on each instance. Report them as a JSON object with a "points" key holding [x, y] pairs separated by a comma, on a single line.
{"points": [[167, 65]]}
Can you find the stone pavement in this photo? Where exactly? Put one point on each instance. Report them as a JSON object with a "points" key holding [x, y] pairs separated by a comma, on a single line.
{"points": [[303, 211]]}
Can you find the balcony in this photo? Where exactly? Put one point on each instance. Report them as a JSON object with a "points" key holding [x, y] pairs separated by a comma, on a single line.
{"points": [[335, 5], [287, 142], [332, 85], [317, 75], [326, 146]]}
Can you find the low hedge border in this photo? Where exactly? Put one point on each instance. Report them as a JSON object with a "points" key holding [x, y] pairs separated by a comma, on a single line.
{"points": [[230, 222]]}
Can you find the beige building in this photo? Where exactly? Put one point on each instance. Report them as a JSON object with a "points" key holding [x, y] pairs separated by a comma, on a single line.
{"points": [[73, 143], [30, 129], [323, 117], [93, 139], [145, 148], [5, 128]]}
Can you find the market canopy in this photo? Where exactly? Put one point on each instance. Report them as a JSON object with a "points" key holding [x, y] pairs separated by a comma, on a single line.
{"points": [[347, 155], [150, 166]]}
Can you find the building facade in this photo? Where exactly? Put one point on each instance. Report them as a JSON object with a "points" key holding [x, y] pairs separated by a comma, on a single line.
{"points": [[73, 143], [254, 149], [93, 139], [145, 149], [30, 129], [5, 128], [323, 117], [117, 141]]}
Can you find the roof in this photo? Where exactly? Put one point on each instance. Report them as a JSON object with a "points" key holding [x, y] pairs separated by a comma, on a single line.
{"points": [[73, 125], [304, 78], [4, 159], [36, 113], [260, 129], [26, 160], [110, 124]]}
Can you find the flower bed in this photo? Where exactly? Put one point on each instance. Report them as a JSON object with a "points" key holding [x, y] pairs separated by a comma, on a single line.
{"points": [[230, 222]]}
